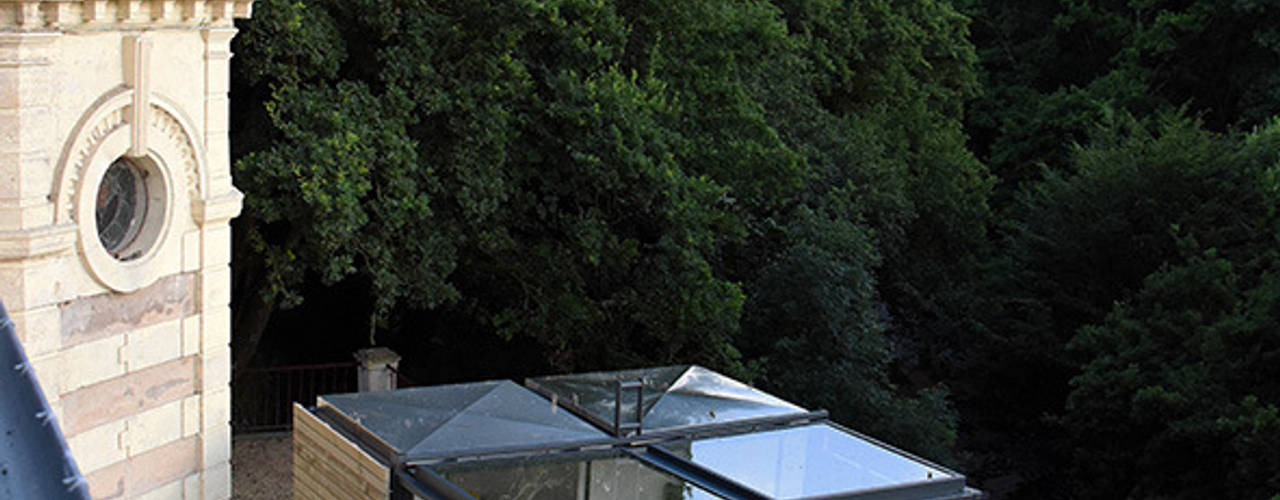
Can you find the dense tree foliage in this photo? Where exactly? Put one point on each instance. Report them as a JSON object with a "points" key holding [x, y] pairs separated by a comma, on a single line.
{"points": [[1045, 252], [1082, 254], [611, 182], [1052, 68], [1102, 186]]}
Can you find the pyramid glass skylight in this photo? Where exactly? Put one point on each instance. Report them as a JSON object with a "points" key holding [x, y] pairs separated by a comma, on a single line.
{"points": [[702, 436], [447, 420], [671, 397]]}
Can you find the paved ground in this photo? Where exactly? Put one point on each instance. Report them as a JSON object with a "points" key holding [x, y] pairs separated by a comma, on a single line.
{"points": [[262, 467]]}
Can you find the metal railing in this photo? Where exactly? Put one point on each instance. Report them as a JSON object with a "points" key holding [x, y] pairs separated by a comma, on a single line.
{"points": [[264, 397], [401, 380]]}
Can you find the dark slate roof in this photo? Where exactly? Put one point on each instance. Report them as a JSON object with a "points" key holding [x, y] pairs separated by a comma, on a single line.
{"points": [[35, 463]]}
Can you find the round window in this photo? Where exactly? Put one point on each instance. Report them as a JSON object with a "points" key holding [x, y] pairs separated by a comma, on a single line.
{"points": [[121, 209]]}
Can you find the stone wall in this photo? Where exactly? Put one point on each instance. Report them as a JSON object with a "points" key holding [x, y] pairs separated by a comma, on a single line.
{"points": [[133, 353]]}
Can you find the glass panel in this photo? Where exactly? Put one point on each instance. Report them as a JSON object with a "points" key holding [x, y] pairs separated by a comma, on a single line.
{"points": [[598, 477], [455, 420], [702, 396], [508, 416], [805, 461], [121, 206], [596, 392], [674, 396], [405, 417]]}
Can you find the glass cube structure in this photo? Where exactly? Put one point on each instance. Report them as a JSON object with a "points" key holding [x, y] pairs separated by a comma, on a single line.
{"points": [[678, 433]]}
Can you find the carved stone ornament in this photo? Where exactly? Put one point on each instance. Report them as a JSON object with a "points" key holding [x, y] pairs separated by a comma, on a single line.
{"points": [[169, 177], [36, 15]]}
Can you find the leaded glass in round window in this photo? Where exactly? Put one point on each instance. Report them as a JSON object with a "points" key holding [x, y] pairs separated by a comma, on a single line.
{"points": [[121, 208]]}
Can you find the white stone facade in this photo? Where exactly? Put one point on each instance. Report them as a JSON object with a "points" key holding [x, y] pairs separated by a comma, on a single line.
{"points": [[133, 353]]}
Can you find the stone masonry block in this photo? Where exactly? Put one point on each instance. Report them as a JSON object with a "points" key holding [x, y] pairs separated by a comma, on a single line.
{"points": [[39, 329], [217, 246], [217, 122], [10, 94], [216, 445], [146, 473], [154, 344], [191, 335], [48, 369], [10, 125], [10, 175], [46, 280], [32, 284], [121, 397], [215, 370], [109, 314], [92, 362], [153, 428], [191, 415], [215, 328], [220, 174], [215, 286], [217, 482], [191, 251], [98, 447], [215, 408], [25, 177], [21, 214], [191, 487], [11, 288], [169, 491]]}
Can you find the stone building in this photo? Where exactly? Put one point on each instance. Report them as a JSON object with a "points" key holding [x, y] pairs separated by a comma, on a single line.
{"points": [[115, 198]]}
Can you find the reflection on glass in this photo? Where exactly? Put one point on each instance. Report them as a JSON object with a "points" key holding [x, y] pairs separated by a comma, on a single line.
{"points": [[701, 396], [459, 419], [805, 461], [597, 392], [600, 477], [121, 206], [674, 396]]}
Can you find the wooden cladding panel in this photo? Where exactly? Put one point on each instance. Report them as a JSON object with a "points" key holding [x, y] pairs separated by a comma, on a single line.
{"points": [[326, 466]]}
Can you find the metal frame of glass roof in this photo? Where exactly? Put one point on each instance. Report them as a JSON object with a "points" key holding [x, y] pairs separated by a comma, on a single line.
{"points": [[424, 433]]}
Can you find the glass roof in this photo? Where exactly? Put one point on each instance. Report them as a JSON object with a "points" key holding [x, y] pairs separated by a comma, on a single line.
{"points": [[600, 476], [673, 397], [815, 460], [460, 419]]}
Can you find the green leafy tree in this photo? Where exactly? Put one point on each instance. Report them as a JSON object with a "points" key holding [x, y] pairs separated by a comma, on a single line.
{"points": [[1051, 68], [1176, 397], [835, 284], [492, 158], [611, 182], [1142, 199], [1177, 400]]}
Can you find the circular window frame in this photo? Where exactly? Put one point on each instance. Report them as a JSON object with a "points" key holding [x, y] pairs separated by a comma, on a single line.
{"points": [[146, 213], [154, 240]]}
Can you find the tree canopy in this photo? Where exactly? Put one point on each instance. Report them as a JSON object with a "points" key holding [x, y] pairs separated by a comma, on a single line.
{"points": [[1034, 240], [610, 183]]}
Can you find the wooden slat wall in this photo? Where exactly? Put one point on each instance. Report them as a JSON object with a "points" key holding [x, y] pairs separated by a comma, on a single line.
{"points": [[326, 466]]}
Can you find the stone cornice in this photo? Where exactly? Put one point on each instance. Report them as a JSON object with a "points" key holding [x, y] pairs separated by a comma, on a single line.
{"points": [[74, 15], [32, 243], [217, 209]]}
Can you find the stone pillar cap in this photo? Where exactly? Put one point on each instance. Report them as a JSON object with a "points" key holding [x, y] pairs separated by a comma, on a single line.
{"points": [[374, 356]]}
